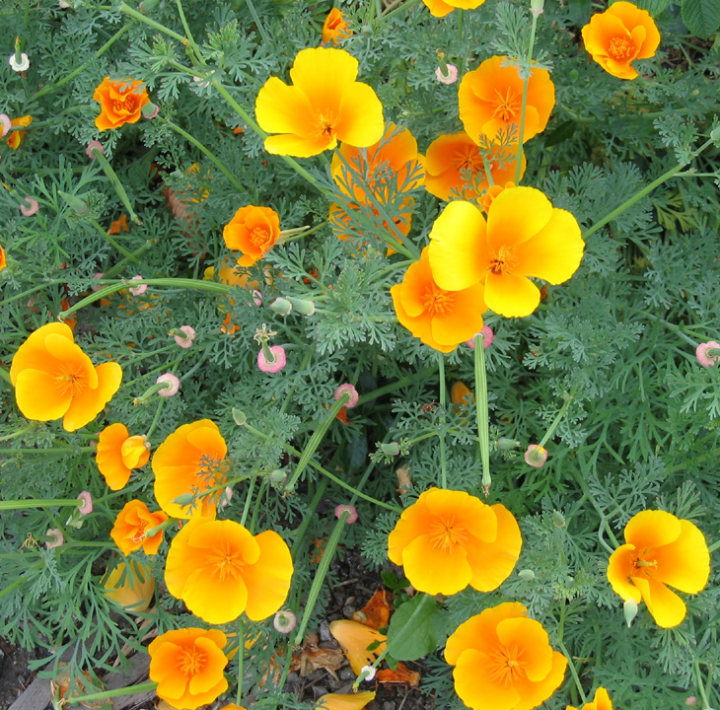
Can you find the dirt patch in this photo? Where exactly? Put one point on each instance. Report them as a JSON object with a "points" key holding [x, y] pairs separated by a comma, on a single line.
{"points": [[15, 675]]}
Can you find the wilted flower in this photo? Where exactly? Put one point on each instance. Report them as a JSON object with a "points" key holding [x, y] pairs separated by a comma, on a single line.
{"points": [[220, 570], [136, 591], [525, 236], [253, 231], [448, 540], [138, 290], [118, 454], [350, 510], [171, 382], [94, 146], [620, 35], [279, 360], [22, 65], [184, 336], [54, 378], [56, 538], [601, 701], [324, 105], [360, 644], [504, 660], [660, 550], [335, 27], [345, 701], [188, 665], [120, 101], [87, 505], [284, 622], [347, 388], [490, 100], [190, 461], [130, 527], [30, 206], [536, 456], [449, 76], [708, 354]]}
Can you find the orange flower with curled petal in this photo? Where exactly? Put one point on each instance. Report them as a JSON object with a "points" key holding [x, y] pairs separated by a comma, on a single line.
{"points": [[524, 237], [253, 231], [118, 454], [661, 551], [343, 701], [601, 701], [448, 540], [503, 660], [620, 35], [324, 105], [16, 137], [188, 666], [440, 318], [54, 378], [3, 259], [190, 461], [131, 524], [335, 28], [451, 155], [120, 101], [490, 100], [440, 8], [220, 570]]}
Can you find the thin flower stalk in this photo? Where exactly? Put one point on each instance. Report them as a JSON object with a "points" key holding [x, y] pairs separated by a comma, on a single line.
{"points": [[115, 181], [441, 434], [41, 502], [117, 693], [526, 82], [481, 410], [563, 411]]}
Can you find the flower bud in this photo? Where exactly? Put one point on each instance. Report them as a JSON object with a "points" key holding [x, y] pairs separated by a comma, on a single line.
{"points": [[184, 499], [391, 449], [536, 456], [527, 575], [239, 417], [148, 6], [278, 476], [536, 7], [366, 31], [715, 135], [281, 306], [558, 519], [630, 610], [505, 444], [75, 203], [150, 110], [305, 308]]}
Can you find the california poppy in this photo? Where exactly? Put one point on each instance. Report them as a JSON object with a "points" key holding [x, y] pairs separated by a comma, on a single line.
{"points": [[490, 100], [440, 8], [54, 378], [252, 231], [188, 666], [118, 454], [524, 237], [220, 570], [448, 540], [131, 524], [601, 701], [131, 585], [120, 101], [324, 105], [620, 35], [440, 318], [3, 259], [345, 701], [454, 164], [503, 660], [335, 27], [661, 551], [15, 138], [189, 462], [360, 643]]}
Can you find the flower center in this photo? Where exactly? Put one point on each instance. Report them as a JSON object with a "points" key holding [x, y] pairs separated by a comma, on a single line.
{"points": [[326, 126], [446, 535], [468, 158], [503, 262], [437, 301], [139, 534], [508, 106], [128, 104], [72, 380], [643, 567], [190, 663], [226, 564], [621, 49], [506, 665], [260, 236]]}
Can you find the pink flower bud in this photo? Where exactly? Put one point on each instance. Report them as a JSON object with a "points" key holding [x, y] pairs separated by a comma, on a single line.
{"points": [[691, 701], [150, 110], [352, 517], [257, 298], [184, 338], [487, 335], [87, 507], [138, 289], [705, 358], [347, 388], [94, 145], [56, 538], [278, 353], [284, 621], [450, 77], [30, 210], [536, 456], [172, 384]]}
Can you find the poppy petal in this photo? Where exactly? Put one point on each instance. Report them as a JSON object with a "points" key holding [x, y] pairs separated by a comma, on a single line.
{"points": [[517, 215], [280, 108], [528, 634], [268, 579], [621, 568], [511, 296], [652, 528], [684, 563], [666, 607], [436, 569], [54, 401], [477, 685], [360, 121]]}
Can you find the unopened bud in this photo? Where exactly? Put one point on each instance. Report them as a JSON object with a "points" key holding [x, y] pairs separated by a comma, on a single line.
{"points": [[391, 449], [281, 306], [505, 444], [239, 417], [630, 610], [278, 475], [715, 135], [148, 5], [184, 499], [558, 519], [536, 456], [366, 31], [527, 575], [150, 110], [536, 7], [305, 308], [75, 203]]}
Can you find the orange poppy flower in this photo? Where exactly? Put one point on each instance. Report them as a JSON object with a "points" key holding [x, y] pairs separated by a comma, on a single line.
{"points": [[394, 159], [524, 237], [119, 225], [440, 318], [188, 666], [253, 231], [190, 461], [120, 101], [449, 156], [461, 395], [54, 378], [440, 8], [490, 100], [335, 28], [344, 701], [601, 701], [503, 660], [448, 540], [15, 138], [355, 639], [136, 591], [118, 454], [131, 523], [323, 106], [3, 259], [661, 551], [620, 35], [220, 570], [489, 197]]}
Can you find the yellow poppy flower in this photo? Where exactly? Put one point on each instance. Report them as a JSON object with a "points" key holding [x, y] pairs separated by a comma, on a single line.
{"points": [[601, 701]]}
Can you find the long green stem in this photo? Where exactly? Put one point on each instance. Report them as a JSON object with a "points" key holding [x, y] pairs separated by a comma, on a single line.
{"points": [[526, 82], [645, 191], [119, 692], [248, 500], [116, 183], [403, 8], [188, 34], [128, 255], [41, 503], [481, 411], [241, 657], [563, 411], [443, 405], [571, 665], [126, 9], [256, 19]]}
